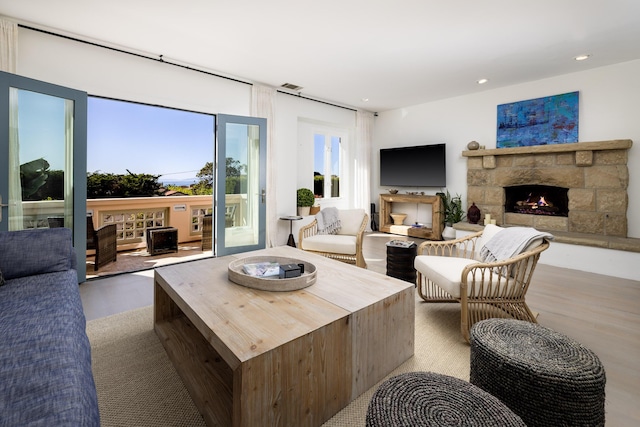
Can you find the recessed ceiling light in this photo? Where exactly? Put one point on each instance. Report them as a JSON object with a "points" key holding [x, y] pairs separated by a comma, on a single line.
{"points": [[582, 57], [365, 99], [482, 81]]}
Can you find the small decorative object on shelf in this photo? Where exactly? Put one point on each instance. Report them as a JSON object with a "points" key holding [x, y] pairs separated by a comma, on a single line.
{"points": [[398, 218], [473, 145], [393, 191], [473, 214]]}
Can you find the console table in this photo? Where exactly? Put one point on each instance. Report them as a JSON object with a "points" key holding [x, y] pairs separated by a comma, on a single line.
{"points": [[437, 216]]}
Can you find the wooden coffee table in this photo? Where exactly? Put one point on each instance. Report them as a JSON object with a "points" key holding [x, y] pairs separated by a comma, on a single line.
{"points": [[251, 357]]}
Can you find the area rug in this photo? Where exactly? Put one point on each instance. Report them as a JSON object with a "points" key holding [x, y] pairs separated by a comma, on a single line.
{"points": [[138, 386]]}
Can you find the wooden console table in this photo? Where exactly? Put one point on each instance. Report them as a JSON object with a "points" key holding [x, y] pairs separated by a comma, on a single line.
{"points": [[437, 216]]}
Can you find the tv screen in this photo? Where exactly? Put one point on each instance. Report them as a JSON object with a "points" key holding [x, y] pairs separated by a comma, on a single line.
{"points": [[419, 166]]}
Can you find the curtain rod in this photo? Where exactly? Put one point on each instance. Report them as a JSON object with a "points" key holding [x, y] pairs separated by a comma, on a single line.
{"points": [[316, 100], [139, 55], [160, 59]]}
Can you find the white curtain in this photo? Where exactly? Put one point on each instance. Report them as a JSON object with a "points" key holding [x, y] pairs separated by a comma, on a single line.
{"points": [[263, 101], [8, 46], [362, 161], [68, 160], [8, 59]]}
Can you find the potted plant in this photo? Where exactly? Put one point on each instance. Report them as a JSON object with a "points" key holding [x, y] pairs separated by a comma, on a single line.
{"points": [[305, 200], [452, 213]]}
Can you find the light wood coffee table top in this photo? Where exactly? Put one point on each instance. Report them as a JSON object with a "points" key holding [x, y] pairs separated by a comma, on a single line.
{"points": [[250, 357]]}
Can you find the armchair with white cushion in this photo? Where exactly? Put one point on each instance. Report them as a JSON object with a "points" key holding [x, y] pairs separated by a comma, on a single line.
{"points": [[342, 244], [488, 273]]}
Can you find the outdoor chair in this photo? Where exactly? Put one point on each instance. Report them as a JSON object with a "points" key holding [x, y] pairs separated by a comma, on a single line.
{"points": [[460, 271], [103, 240], [207, 232], [345, 245]]}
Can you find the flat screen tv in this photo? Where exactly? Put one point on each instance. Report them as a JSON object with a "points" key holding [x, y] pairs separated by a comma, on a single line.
{"points": [[419, 166]]}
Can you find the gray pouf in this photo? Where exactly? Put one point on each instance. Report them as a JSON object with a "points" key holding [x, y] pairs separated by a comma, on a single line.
{"points": [[430, 399], [545, 377]]}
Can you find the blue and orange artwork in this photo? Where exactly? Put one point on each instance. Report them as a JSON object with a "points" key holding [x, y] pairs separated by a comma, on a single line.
{"points": [[541, 121]]}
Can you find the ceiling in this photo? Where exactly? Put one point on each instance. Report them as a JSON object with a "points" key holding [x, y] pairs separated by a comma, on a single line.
{"points": [[391, 53]]}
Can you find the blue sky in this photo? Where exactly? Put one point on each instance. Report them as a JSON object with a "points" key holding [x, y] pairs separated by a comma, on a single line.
{"points": [[146, 139], [172, 143], [41, 138]]}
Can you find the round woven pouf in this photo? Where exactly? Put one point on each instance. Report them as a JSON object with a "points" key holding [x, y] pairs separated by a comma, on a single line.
{"points": [[543, 376], [430, 399]]}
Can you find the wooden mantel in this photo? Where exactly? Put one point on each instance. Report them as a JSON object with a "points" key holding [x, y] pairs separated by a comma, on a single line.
{"points": [[614, 144]]}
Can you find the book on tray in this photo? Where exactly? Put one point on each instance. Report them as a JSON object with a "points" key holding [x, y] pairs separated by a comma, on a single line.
{"points": [[401, 243], [262, 269]]}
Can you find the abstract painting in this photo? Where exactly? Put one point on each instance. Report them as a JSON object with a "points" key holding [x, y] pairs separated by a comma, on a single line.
{"points": [[541, 121]]}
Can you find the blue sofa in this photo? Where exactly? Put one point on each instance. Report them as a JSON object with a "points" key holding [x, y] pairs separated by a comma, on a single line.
{"points": [[45, 357]]}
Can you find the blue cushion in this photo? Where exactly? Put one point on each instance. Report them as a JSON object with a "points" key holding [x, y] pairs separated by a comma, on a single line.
{"points": [[35, 251], [45, 356]]}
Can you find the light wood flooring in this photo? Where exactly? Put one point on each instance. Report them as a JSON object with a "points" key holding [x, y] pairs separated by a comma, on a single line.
{"points": [[601, 312]]}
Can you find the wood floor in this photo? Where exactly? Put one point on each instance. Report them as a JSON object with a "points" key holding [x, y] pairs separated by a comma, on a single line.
{"points": [[601, 312]]}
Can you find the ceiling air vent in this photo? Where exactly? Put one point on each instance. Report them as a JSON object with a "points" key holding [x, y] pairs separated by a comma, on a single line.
{"points": [[291, 86]]}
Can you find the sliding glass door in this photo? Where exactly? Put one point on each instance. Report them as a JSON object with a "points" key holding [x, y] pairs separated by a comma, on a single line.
{"points": [[43, 158]]}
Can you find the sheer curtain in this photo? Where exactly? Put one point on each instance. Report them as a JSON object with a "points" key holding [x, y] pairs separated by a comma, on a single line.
{"points": [[8, 45], [263, 100], [362, 160], [8, 60]]}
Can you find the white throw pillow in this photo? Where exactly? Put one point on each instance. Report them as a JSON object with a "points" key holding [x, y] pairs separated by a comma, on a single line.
{"points": [[350, 221]]}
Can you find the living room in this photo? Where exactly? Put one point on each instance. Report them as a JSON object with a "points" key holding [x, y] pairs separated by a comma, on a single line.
{"points": [[607, 112]]}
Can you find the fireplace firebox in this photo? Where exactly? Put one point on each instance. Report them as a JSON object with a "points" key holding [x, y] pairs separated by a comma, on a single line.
{"points": [[537, 200]]}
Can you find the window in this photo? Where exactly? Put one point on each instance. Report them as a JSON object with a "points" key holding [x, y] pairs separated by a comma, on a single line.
{"points": [[326, 165]]}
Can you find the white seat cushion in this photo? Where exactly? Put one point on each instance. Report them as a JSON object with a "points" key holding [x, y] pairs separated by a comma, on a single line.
{"points": [[446, 272], [335, 243]]}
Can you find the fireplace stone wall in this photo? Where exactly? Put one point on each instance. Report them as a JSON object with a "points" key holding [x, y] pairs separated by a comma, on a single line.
{"points": [[595, 173]]}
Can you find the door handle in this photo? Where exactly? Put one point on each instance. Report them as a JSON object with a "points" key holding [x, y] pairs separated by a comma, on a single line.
{"points": [[264, 195]]}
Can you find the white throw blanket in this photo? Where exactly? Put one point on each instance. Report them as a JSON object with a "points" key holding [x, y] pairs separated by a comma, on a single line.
{"points": [[328, 221], [510, 242]]}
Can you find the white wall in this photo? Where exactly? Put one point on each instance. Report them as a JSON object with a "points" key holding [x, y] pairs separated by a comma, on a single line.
{"points": [[608, 110], [104, 72]]}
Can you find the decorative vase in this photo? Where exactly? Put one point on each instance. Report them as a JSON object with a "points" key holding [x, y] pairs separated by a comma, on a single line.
{"points": [[398, 218], [473, 214], [473, 145], [303, 210], [314, 210], [449, 233]]}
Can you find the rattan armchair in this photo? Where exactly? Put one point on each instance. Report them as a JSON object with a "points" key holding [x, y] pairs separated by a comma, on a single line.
{"points": [[345, 246], [450, 271]]}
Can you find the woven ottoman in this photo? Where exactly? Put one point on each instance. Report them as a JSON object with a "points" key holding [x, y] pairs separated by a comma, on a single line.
{"points": [[543, 376], [430, 399]]}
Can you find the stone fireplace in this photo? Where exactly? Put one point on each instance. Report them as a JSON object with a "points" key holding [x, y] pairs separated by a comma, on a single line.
{"points": [[575, 188]]}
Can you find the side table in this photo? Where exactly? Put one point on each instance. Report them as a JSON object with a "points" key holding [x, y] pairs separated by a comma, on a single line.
{"points": [[400, 261], [291, 242]]}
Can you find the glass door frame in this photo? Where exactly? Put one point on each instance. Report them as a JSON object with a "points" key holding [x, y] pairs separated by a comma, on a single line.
{"points": [[259, 195], [79, 98]]}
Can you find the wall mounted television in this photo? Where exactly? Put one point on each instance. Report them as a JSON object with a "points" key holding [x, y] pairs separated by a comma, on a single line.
{"points": [[418, 166]]}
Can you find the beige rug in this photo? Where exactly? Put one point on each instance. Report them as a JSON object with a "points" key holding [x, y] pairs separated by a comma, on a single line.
{"points": [[138, 386]]}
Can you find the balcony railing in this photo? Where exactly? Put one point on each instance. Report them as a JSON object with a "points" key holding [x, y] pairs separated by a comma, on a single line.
{"points": [[134, 215]]}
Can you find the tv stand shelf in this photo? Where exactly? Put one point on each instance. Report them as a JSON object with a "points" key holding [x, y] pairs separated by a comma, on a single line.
{"points": [[437, 219]]}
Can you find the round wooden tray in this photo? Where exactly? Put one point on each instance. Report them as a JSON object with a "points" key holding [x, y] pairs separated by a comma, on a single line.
{"points": [[273, 283]]}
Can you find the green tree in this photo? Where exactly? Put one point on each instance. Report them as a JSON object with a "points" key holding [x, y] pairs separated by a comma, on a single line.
{"points": [[108, 185]]}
